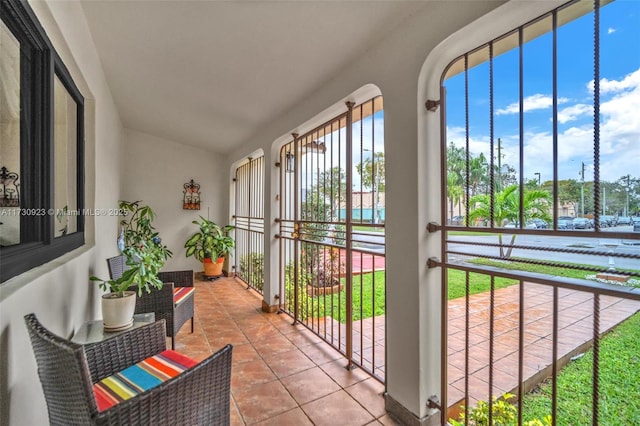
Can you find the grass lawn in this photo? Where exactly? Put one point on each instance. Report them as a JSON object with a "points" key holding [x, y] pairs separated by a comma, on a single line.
{"points": [[619, 384], [367, 228], [368, 299], [486, 234], [363, 290]]}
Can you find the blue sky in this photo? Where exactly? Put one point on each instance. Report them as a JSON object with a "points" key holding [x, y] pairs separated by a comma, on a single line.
{"points": [[619, 97]]}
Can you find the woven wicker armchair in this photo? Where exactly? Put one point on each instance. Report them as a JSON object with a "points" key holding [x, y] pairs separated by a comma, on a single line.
{"points": [[161, 302], [68, 371]]}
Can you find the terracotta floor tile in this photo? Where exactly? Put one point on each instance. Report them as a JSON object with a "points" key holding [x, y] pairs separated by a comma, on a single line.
{"points": [[368, 393], [389, 421], [236, 419], [309, 385], [338, 405], [244, 353], [284, 364], [295, 417], [263, 401], [303, 338], [260, 332], [275, 363], [250, 373], [342, 376], [321, 353], [273, 345]]}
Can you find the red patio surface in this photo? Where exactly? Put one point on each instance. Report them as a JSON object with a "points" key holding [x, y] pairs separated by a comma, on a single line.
{"points": [[575, 334], [284, 374], [364, 262]]}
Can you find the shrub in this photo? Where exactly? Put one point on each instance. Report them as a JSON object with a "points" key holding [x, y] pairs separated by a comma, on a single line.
{"points": [[503, 414], [252, 269]]}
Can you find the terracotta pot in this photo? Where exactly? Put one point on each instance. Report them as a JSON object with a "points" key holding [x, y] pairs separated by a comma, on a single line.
{"points": [[117, 312], [213, 269]]}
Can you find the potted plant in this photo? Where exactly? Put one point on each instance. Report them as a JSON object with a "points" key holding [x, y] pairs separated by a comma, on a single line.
{"points": [[210, 244], [145, 255]]}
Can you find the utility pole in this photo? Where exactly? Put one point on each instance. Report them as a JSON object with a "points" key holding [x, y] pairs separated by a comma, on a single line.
{"points": [[582, 189], [537, 174], [499, 188], [626, 213]]}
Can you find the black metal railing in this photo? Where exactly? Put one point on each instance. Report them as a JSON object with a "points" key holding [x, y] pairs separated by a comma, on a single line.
{"points": [[331, 220], [528, 290], [249, 223]]}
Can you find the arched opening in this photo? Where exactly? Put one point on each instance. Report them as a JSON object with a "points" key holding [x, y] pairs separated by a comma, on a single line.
{"points": [[332, 215]]}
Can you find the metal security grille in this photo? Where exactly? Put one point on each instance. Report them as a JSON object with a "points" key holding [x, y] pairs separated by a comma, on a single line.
{"points": [[249, 222], [332, 277], [527, 287]]}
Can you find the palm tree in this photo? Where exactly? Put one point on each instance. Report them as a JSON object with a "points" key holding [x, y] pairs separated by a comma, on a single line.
{"points": [[506, 208], [455, 192], [478, 173]]}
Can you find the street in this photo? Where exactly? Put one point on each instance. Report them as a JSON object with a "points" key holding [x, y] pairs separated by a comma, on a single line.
{"points": [[542, 242]]}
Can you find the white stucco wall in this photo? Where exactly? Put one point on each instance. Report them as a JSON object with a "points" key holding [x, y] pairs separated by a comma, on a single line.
{"points": [[155, 170], [59, 292]]}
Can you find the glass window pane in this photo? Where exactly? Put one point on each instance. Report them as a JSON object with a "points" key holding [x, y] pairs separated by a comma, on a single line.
{"points": [[65, 156], [9, 138]]}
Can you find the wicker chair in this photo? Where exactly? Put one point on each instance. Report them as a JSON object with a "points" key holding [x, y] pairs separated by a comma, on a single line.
{"points": [[161, 301], [199, 395]]}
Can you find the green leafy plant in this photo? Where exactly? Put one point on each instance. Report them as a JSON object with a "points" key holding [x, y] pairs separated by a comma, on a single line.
{"points": [[144, 252], [506, 207], [503, 413], [252, 269], [211, 241]]}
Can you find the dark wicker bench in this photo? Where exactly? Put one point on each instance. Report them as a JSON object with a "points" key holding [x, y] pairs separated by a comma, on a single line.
{"points": [[161, 301], [68, 371]]}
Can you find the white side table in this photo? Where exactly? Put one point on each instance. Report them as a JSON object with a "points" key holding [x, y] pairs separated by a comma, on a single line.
{"points": [[93, 331]]}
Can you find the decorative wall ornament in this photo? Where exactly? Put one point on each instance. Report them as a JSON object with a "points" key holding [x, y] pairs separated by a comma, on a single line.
{"points": [[9, 188], [191, 198]]}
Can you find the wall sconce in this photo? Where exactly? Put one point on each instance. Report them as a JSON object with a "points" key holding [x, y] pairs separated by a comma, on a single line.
{"points": [[191, 196], [9, 188], [290, 162]]}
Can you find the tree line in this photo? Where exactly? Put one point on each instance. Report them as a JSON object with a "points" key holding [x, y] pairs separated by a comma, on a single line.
{"points": [[621, 197]]}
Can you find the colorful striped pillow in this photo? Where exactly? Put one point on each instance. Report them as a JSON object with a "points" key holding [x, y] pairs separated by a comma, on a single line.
{"points": [[181, 293], [140, 377]]}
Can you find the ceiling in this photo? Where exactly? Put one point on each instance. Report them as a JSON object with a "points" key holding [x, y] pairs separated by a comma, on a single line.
{"points": [[212, 73]]}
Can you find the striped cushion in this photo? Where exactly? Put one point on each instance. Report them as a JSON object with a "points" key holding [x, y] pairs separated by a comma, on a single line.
{"points": [[140, 377], [182, 293]]}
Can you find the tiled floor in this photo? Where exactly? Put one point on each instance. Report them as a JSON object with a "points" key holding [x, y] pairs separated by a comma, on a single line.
{"points": [[286, 375], [282, 374]]}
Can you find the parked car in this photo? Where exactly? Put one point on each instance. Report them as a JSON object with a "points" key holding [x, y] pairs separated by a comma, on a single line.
{"points": [[529, 225], [540, 224], [565, 223], [624, 220], [456, 220], [606, 221], [581, 223]]}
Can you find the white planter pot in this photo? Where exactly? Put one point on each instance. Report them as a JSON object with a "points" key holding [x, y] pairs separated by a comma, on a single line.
{"points": [[117, 312]]}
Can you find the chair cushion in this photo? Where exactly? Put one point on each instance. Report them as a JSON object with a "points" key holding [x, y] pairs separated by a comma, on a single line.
{"points": [[181, 294], [140, 377]]}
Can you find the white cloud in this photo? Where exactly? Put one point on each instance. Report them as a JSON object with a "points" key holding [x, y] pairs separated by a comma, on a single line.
{"points": [[629, 82], [574, 112], [619, 137], [611, 30], [530, 103]]}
